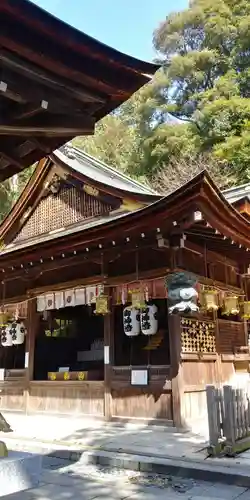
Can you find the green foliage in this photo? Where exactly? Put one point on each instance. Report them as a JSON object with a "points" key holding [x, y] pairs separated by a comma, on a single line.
{"points": [[11, 189], [204, 81]]}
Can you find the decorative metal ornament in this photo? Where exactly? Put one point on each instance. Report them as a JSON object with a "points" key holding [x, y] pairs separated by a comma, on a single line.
{"points": [[210, 300], [102, 305], [137, 299], [4, 318], [149, 320], [245, 308], [131, 321], [231, 306], [182, 293]]}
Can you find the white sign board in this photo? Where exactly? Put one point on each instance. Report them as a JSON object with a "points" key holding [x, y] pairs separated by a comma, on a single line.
{"points": [[106, 354], [2, 373], [26, 362], [139, 377], [63, 369]]}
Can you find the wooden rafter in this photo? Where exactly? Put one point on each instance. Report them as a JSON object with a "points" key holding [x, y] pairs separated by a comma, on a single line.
{"points": [[54, 80], [49, 80]]}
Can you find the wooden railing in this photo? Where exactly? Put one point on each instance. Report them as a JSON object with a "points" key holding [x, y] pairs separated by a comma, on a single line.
{"points": [[228, 419]]}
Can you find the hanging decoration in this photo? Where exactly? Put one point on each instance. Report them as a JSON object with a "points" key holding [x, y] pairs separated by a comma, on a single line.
{"points": [[102, 305], [4, 318], [245, 310], [6, 336], [18, 332], [131, 321], [69, 298], [149, 320], [209, 300], [182, 293], [137, 299], [231, 305]]}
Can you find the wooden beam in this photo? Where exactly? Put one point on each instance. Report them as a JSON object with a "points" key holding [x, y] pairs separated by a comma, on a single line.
{"points": [[28, 111], [108, 355], [42, 145], [211, 256], [43, 131], [174, 325], [10, 94], [79, 93], [11, 160]]}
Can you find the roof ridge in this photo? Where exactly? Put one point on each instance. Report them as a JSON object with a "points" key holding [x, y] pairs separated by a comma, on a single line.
{"points": [[236, 188]]}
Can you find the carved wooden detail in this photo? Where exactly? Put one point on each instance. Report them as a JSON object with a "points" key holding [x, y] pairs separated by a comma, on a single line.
{"points": [[197, 336]]}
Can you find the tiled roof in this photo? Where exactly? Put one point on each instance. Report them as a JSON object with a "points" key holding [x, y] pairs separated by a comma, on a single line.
{"points": [[95, 169]]}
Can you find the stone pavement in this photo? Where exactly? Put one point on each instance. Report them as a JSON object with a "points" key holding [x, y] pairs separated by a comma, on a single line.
{"points": [[69, 433], [129, 446], [59, 485]]}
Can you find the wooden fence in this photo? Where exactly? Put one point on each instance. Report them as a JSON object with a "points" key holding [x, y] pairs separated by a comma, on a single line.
{"points": [[228, 419]]}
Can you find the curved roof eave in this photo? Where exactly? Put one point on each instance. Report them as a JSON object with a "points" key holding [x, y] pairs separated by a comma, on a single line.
{"points": [[198, 194]]}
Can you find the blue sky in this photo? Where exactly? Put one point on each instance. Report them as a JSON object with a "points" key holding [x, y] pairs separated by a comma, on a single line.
{"points": [[126, 25]]}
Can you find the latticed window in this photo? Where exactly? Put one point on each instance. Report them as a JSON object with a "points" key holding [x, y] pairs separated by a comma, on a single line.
{"points": [[67, 207]]}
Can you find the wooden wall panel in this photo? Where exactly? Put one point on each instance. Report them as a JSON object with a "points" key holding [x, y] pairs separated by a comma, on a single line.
{"points": [[66, 398], [231, 335], [142, 403], [12, 399], [227, 372], [194, 406], [199, 373]]}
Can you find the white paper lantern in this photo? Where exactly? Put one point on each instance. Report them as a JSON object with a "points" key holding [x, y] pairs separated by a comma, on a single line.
{"points": [[18, 333], [6, 336], [131, 321], [149, 320]]}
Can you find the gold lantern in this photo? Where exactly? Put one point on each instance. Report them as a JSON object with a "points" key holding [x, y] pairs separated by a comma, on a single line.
{"points": [[4, 318], [231, 305], [102, 305], [210, 300], [137, 299], [245, 308]]}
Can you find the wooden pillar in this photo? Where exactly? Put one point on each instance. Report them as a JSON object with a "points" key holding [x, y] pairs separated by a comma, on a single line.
{"points": [[176, 371], [108, 355], [32, 325]]}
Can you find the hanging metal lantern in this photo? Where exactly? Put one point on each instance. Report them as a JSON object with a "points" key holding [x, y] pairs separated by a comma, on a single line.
{"points": [[138, 299], [149, 320], [131, 321], [4, 318], [18, 333], [6, 336], [210, 300], [102, 305], [231, 306], [245, 308]]}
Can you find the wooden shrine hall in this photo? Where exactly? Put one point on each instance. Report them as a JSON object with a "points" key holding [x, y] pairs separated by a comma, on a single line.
{"points": [[85, 259], [87, 254], [55, 83]]}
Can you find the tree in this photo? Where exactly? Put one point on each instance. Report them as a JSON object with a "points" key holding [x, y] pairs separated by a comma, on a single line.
{"points": [[178, 171], [206, 63], [114, 142]]}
